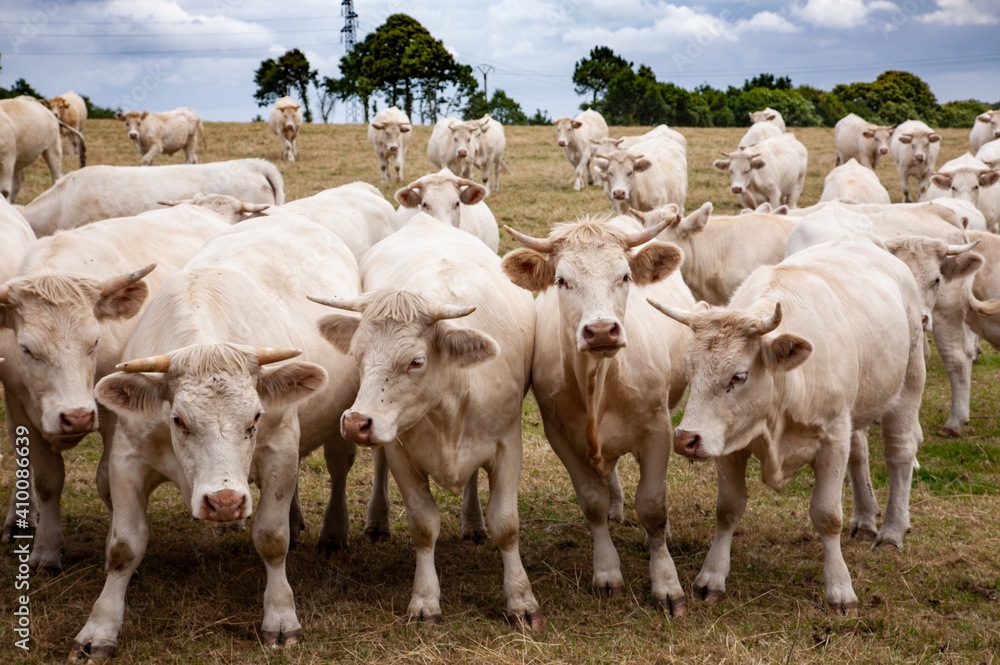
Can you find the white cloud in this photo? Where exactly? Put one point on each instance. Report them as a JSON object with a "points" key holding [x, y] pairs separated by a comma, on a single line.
{"points": [[839, 13], [961, 12], [766, 22]]}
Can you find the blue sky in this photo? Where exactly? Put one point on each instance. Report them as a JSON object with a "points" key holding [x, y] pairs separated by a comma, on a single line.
{"points": [[160, 54]]}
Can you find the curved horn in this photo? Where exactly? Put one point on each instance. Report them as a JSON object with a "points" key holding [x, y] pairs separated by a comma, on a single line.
{"points": [[465, 182], [639, 237], [724, 153], [607, 157], [771, 322], [350, 304], [543, 245], [151, 364], [171, 204], [254, 207], [441, 311], [119, 282], [267, 355], [638, 214], [958, 249], [678, 315]]}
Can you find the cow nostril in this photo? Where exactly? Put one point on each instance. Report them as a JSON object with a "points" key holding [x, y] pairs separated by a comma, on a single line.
{"points": [[686, 442]]}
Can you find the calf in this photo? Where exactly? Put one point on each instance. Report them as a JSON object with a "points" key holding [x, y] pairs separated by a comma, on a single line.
{"points": [[454, 145], [285, 122], [389, 133], [914, 148], [861, 140], [649, 174], [492, 143], [455, 201], [166, 133], [852, 183], [575, 136], [774, 170], [985, 128]]}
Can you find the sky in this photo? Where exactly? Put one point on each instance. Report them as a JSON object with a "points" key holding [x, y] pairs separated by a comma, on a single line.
{"points": [[157, 55]]}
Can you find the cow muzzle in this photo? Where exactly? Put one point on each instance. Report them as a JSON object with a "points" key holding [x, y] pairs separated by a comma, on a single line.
{"points": [[356, 428], [602, 335], [562, 144], [77, 421], [618, 194], [918, 158], [883, 151], [224, 506], [393, 148], [926, 321], [133, 135], [463, 153], [687, 443], [737, 189]]}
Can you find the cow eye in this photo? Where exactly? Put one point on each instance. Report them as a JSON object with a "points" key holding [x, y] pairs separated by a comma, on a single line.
{"points": [[937, 280], [179, 423], [626, 278], [415, 364], [560, 282], [738, 379], [256, 418], [26, 351], [458, 203], [425, 206]]}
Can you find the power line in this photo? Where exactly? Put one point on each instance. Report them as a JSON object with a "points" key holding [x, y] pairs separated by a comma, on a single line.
{"points": [[179, 34], [188, 22]]}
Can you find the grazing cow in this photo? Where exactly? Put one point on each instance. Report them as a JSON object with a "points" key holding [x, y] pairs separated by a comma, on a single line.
{"points": [[70, 109], [167, 132], [720, 255], [968, 179], [454, 145], [492, 143], [806, 394], [442, 398], [914, 148], [989, 154], [27, 130], [575, 136], [774, 170], [649, 174], [861, 140], [452, 200], [852, 183], [768, 115], [389, 133], [606, 374], [285, 123], [71, 306], [101, 192], [985, 128]]}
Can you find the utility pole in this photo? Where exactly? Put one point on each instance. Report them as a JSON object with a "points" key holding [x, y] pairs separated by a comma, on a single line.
{"points": [[348, 35], [485, 69]]}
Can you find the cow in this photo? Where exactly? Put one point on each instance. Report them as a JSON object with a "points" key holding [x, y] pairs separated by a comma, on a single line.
{"points": [[757, 133], [862, 140], [968, 179], [768, 115], [607, 145], [985, 128], [492, 143], [454, 145], [852, 183], [285, 122], [914, 148], [805, 394], [442, 398], [960, 214], [389, 133], [452, 200], [774, 170], [70, 109], [71, 306], [28, 131], [649, 174], [166, 133], [101, 192], [198, 407], [575, 136], [989, 154], [606, 375], [719, 255], [983, 313]]}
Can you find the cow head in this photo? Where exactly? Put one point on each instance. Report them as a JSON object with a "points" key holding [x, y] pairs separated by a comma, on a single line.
{"points": [[741, 165], [878, 138], [56, 320], [406, 349], [58, 105], [921, 144], [965, 184], [390, 134], [132, 120], [291, 117], [730, 367], [676, 229], [566, 127], [228, 207], [441, 196], [465, 139], [767, 115], [618, 171], [213, 398], [592, 264], [991, 118]]}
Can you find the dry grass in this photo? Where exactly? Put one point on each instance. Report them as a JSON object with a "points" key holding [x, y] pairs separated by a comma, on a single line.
{"points": [[197, 597]]}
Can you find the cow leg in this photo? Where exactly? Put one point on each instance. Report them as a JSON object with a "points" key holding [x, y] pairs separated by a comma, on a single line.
{"points": [[826, 511], [501, 514], [28, 510], [296, 520], [904, 184], [485, 171], [616, 499], [339, 456], [496, 174], [731, 471], [473, 526], [53, 158], [399, 166], [865, 506], [793, 196], [956, 345], [378, 524], [190, 156], [651, 506], [582, 168], [153, 152], [15, 184]]}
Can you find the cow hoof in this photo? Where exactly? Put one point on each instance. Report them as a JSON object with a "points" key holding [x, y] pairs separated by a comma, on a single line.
{"points": [[887, 542], [849, 609], [12, 532], [88, 653], [677, 607], [428, 619], [276, 638], [379, 533], [611, 590], [862, 533], [616, 515], [948, 433], [710, 596], [327, 546], [478, 536]]}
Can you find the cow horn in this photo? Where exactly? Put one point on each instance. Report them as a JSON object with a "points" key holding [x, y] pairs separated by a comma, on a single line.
{"points": [[4, 294], [638, 214], [119, 282], [350, 304], [959, 249], [678, 315], [639, 237], [441, 311], [771, 322], [158, 364], [266, 355], [607, 157], [724, 153], [983, 307], [254, 207], [171, 204], [465, 182], [543, 245]]}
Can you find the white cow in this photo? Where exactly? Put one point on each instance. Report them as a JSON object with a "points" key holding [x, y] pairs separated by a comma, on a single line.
{"points": [[852, 183], [285, 122], [197, 407], [28, 131], [442, 398], [606, 373], [492, 144], [774, 170], [575, 136], [985, 128], [983, 315], [757, 133], [72, 305], [805, 393], [968, 179], [768, 115], [69, 108], [607, 145], [454, 145], [861, 140], [165, 133], [102, 192], [452, 200], [389, 133], [915, 148], [989, 154], [649, 174]]}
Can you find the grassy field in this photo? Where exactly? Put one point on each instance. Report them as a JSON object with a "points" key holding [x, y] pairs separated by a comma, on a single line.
{"points": [[197, 597]]}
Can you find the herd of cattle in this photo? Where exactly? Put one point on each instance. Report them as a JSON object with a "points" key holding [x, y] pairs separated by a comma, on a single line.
{"points": [[183, 312]]}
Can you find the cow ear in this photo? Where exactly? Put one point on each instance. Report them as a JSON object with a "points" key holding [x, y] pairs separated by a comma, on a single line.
{"points": [[771, 116], [466, 345], [905, 139], [120, 115], [128, 392], [961, 265], [934, 138], [696, 221], [405, 128], [473, 194], [339, 329], [408, 197], [989, 178], [123, 303], [757, 163], [577, 124], [654, 262], [144, 114], [642, 165], [721, 164], [941, 180], [528, 269], [377, 125], [868, 134], [786, 352], [288, 384], [983, 117]]}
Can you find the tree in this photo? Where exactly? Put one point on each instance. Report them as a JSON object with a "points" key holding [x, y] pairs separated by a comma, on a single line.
{"points": [[891, 98], [501, 108], [594, 74], [327, 94], [540, 118], [768, 81], [276, 79]]}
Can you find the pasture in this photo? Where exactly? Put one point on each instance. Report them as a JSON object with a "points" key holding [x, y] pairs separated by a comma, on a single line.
{"points": [[197, 596]]}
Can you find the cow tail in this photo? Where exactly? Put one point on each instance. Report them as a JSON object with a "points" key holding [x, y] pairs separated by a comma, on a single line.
{"points": [[277, 183], [201, 130], [83, 151]]}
